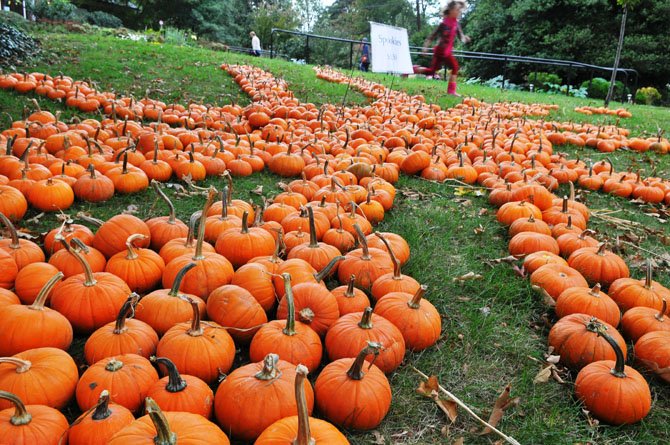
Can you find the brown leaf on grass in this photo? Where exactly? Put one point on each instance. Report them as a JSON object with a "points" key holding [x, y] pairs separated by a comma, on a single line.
{"points": [[593, 422], [546, 298], [467, 277], [378, 438], [35, 219], [504, 402], [520, 271], [131, 209], [478, 230], [431, 389], [458, 441], [258, 190], [483, 212], [542, 376]]}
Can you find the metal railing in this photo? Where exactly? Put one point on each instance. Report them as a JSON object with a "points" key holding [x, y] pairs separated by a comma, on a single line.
{"points": [[629, 75]]}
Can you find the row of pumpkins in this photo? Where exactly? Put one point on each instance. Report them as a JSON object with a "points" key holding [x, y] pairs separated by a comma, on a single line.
{"points": [[234, 283], [572, 269], [349, 166]]}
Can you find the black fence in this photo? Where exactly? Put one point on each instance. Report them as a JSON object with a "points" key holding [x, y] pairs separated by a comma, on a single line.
{"points": [[572, 68]]}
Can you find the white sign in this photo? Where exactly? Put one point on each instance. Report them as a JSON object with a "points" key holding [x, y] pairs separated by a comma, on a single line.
{"points": [[390, 49]]}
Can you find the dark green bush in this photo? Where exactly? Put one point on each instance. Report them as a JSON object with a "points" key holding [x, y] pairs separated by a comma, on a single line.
{"points": [[15, 20], [103, 19], [543, 80], [599, 87], [58, 10]]}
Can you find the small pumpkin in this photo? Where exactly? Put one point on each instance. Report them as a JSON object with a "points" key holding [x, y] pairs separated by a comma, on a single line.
{"points": [[235, 308], [165, 228], [23, 251], [141, 269], [241, 245], [368, 397], [598, 265], [653, 353], [31, 424], [641, 320], [349, 298], [395, 281], [366, 263], [594, 302], [99, 424], [611, 391]]}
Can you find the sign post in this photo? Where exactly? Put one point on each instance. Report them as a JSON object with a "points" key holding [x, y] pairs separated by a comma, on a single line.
{"points": [[390, 49]]}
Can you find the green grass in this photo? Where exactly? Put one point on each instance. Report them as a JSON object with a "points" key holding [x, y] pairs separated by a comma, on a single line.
{"points": [[491, 326]]}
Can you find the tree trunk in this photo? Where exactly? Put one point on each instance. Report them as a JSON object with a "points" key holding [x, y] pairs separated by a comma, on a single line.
{"points": [[617, 58], [418, 15]]}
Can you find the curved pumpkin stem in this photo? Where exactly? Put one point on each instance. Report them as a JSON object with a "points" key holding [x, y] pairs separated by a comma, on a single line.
{"points": [[601, 248], [224, 203], [349, 293], [229, 179], [397, 274], [196, 328], [304, 434], [201, 228], [664, 307], [21, 365], [594, 325], [164, 436], [364, 243], [126, 311], [323, 273], [131, 253], [366, 319], [290, 304], [620, 365], [161, 194], [270, 370], [356, 370], [174, 291], [313, 243], [415, 302], [102, 411], [41, 298], [88, 272], [192, 223], [12, 232], [21, 415], [245, 222], [175, 382], [595, 290]]}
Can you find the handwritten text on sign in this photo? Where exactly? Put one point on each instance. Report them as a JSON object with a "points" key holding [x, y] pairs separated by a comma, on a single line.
{"points": [[390, 49]]}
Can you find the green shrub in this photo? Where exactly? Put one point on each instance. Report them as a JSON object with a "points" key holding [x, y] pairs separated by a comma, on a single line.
{"points": [[647, 95], [543, 80], [59, 10], [14, 19], [104, 19], [600, 86]]}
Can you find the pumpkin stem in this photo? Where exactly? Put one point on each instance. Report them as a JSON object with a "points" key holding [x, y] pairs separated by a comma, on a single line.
{"points": [[572, 191], [366, 319], [594, 325], [14, 244], [245, 222], [327, 269], [224, 203], [648, 275], [192, 222], [664, 307], [88, 273], [126, 311], [601, 248], [620, 365], [564, 208], [21, 365], [161, 194], [164, 436], [415, 302], [313, 243], [201, 228], [289, 329], [270, 370], [41, 298], [174, 291], [102, 410], [113, 365], [595, 290], [196, 329], [132, 253], [364, 243], [89, 219], [397, 274], [304, 435], [356, 370], [350, 287], [229, 179], [175, 382], [21, 415]]}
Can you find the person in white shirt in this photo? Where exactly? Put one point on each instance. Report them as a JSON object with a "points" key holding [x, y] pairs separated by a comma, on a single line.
{"points": [[255, 44]]}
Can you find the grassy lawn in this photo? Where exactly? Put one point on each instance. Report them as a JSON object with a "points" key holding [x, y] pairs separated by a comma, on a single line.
{"points": [[492, 326]]}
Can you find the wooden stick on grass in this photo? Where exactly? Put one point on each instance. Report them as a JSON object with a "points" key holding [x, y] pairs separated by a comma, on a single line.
{"points": [[458, 402]]}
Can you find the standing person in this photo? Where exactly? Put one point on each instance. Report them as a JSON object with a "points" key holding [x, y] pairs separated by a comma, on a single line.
{"points": [[255, 44], [365, 55], [443, 51]]}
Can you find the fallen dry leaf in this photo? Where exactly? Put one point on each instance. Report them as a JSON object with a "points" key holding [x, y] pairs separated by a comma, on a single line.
{"points": [[467, 277], [543, 376], [431, 389], [458, 441], [258, 190], [546, 298], [478, 230], [131, 209], [378, 438], [503, 402]]}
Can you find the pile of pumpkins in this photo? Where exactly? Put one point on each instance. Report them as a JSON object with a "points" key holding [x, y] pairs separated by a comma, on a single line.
{"points": [[589, 110], [145, 288]]}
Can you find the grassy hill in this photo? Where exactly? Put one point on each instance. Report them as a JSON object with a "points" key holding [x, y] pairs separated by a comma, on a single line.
{"points": [[494, 328]]}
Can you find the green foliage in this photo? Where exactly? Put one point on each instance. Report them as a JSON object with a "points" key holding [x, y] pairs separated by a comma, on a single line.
{"points": [[542, 79], [581, 30], [648, 95], [599, 86], [15, 20], [103, 19], [61, 10]]}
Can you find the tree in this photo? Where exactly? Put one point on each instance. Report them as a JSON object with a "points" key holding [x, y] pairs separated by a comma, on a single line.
{"points": [[308, 12], [622, 30]]}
